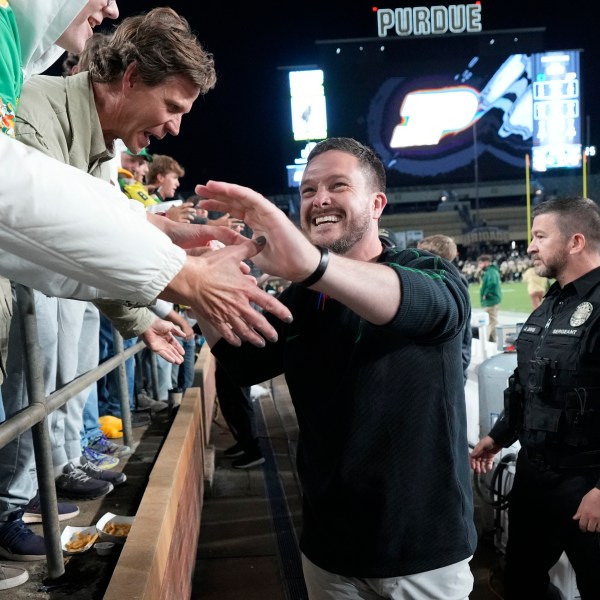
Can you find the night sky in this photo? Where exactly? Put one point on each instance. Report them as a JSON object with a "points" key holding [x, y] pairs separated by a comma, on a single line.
{"points": [[238, 131]]}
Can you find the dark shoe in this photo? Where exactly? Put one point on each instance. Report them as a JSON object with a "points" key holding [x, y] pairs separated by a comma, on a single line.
{"points": [[248, 459], [11, 576], [33, 511], [235, 450], [18, 542], [91, 470], [144, 401], [75, 483], [140, 419]]}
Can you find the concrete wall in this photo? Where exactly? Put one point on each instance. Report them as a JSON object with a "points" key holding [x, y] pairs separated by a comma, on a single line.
{"points": [[158, 559]]}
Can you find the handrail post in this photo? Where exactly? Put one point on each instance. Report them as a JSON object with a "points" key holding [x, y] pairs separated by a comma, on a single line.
{"points": [[123, 388], [41, 436], [154, 375]]}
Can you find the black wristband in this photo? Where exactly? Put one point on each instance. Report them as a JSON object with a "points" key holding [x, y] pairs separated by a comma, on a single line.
{"points": [[319, 271]]}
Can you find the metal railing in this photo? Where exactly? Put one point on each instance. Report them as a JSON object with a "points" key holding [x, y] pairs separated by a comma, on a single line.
{"points": [[35, 416]]}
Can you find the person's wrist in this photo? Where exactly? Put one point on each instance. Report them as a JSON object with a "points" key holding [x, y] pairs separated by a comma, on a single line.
{"points": [[319, 271]]}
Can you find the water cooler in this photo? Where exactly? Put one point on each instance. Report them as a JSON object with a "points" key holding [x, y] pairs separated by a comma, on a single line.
{"points": [[492, 377]]}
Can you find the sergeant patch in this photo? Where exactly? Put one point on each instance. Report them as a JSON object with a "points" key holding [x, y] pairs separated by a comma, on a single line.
{"points": [[581, 314]]}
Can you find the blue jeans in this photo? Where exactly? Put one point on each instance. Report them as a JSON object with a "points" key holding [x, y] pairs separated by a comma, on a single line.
{"points": [[163, 367], [2, 413], [183, 374], [91, 425], [109, 402]]}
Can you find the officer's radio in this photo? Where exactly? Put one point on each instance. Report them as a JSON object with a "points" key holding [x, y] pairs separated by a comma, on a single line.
{"points": [[539, 375]]}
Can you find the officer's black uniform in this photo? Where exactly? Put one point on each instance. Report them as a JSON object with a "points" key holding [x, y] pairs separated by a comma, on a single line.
{"points": [[552, 406]]}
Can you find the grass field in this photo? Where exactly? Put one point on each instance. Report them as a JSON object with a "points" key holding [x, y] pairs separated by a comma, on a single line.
{"points": [[514, 297]]}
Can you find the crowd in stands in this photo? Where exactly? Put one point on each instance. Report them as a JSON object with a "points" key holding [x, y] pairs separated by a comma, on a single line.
{"points": [[92, 119], [511, 261]]}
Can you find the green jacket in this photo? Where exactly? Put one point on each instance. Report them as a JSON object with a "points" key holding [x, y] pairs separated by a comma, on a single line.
{"points": [[490, 292], [11, 75], [11, 82], [58, 116]]}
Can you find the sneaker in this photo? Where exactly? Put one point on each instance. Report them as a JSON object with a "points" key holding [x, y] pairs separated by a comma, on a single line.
{"points": [[18, 542], [103, 445], [248, 459], [235, 450], [144, 401], [140, 419], [74, 483], [91, 470], [11, 576], [101, 460], [159, 406], [33, 511]]}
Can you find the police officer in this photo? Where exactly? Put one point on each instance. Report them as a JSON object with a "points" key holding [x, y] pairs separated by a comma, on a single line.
{"points": [[552, 407]]}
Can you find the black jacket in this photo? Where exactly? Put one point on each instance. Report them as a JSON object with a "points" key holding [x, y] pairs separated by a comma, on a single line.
{"points": [[383, 451], [553, 402]]}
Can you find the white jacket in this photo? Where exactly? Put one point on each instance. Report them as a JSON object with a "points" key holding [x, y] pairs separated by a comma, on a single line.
{"points": [[80, 236], [62, 231]]}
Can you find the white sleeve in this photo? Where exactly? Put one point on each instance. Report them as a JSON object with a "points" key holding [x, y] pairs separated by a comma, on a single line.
{"points": [[162, 308], [69, 234]]}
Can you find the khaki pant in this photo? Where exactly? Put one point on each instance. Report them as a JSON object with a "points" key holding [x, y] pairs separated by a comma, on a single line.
{"points": [[492, 311], [6, 308], [454, 582]]}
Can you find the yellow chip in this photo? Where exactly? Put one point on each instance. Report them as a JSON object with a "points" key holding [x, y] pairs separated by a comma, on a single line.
{"points": [[80, 541], [118, 529]]}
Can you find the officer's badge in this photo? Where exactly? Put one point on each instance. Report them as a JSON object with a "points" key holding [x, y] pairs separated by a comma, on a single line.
{"points": [[581, 314]]}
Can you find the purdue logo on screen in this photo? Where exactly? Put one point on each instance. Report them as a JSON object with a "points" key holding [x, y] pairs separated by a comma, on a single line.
{"points": [[434, 20], [427, 115]]}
